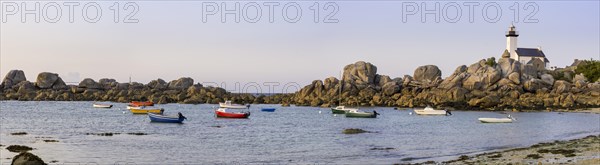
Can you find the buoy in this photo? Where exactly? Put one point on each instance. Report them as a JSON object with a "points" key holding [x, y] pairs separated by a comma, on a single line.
{"points": [[319, 112], [123, 112], [334, 114], [410, 113]]}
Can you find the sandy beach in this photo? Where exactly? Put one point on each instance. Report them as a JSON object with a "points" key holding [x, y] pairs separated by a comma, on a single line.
{"points": [[577, 151]]}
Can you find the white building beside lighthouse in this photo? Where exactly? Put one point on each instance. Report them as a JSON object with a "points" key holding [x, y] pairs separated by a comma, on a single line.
{"points": [[533, 56]]}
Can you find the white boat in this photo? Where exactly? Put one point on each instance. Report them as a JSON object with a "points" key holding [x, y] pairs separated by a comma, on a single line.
{"points": [[102, 105], [228, 104], [430, 111], [508, 119], [342, 110], [132, 107]]}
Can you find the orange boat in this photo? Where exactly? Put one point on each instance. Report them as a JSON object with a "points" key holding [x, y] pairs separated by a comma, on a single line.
{"points": [[141, 103]]}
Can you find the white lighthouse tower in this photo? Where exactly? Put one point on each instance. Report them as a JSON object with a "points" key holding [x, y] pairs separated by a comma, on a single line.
{"points": [[511, 42]]}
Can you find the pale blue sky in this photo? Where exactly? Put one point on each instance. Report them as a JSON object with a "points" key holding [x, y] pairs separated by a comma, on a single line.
{"points": [[170, 41]]}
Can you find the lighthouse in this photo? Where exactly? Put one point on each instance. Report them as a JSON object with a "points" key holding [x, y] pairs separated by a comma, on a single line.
{"points": [[526, 56], [511, 42]]}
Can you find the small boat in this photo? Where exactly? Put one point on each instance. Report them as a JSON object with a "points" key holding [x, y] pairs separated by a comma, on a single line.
{"points": [[228, 104], [141, 103], [358, 114], [102, 105], [132, 106], [342, 110], [430, 111], [144, 110], [267, 109], [221, 112], [508, 119], [166, 119]]}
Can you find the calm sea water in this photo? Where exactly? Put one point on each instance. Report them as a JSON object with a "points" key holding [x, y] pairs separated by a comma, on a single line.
{"points": [[288, 135]]}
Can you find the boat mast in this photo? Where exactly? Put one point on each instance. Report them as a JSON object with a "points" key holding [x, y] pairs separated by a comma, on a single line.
{"points": [[341, 87]]}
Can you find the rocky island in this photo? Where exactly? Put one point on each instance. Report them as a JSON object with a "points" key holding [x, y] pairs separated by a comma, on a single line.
{"points": [[486, 84]]}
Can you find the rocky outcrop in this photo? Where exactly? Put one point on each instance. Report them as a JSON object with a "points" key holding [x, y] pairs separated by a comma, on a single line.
{"points": [[506, 84], [390, 88], [360, 73], [158, 84], [481, 76], [181, 83], [26, 158], [107, 83], [12, 78], [533, 85], [47, 80], [177, 91], [25, 87], [561, 86], [548, 79], [508, 66], [89, 83], [427, 73], [456, 79]]}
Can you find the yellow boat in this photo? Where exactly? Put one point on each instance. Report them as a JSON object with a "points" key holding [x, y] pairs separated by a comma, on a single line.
{"points": [[146, 111]]}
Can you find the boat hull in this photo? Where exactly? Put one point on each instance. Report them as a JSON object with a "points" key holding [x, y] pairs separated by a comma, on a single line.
{"points": [[495, 120], [240, 115], [338, 111], [268, 109], [361, 115], [146, 111], [430, 112], [142, 103], [102, 106], [165, 119]]}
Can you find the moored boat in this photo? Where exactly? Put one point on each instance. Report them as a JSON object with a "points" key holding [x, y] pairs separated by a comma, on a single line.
{"points": [[508, 119], [430, 111], [342, 110], [358, 114], [267, 109], [95, 105], [143, 110], [141, 103], [166, 119], [222, 113], [132, 106], [228, 104]]}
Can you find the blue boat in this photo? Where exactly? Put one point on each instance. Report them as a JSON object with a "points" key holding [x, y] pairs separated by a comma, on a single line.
{"points": [[268, 109], [166, 119]]}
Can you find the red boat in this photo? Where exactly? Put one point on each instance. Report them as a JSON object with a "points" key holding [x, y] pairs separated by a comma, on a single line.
{"points": [[141, 103], [224, 114]]}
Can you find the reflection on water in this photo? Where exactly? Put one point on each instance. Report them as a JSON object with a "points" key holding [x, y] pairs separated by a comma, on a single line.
{"points": [[288, 135]]}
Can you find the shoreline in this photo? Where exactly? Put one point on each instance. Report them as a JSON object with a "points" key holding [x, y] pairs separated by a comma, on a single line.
{"points": [[593, 110], [584, 150]]}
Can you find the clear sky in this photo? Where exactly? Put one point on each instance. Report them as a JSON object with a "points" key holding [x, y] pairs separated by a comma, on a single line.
{"points": [[172, 39]]}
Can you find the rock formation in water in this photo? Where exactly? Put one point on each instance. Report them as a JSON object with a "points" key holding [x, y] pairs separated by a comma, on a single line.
{"points": [[50, 87], [26, 158], [505, 84]]}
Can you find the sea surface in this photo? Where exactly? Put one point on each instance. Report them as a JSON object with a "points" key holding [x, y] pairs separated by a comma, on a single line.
{"points": [[288, 135]]}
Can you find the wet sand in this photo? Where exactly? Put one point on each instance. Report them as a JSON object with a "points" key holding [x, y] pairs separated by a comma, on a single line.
{"points": [[577, 151]]}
